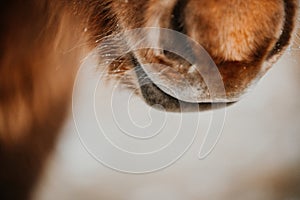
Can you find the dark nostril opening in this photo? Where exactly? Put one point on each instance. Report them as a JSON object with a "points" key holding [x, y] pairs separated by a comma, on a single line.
{"points": [[178, 15], [290, 8]]}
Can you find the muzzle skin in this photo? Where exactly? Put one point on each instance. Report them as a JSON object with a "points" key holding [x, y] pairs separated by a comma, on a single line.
{"points": [[242, 39]]}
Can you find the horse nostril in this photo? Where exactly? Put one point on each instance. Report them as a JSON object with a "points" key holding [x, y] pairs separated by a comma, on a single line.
{"points": [[178, 15]]}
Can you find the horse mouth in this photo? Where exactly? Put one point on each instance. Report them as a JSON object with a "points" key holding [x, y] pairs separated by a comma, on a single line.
{"points": [[157, 98]]}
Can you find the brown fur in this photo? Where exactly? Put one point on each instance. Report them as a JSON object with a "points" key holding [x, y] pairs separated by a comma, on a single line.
{"points": [[43, 41], [37, 69]]}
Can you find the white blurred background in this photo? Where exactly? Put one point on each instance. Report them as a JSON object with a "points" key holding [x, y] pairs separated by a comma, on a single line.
{"points": [[257, 156]]}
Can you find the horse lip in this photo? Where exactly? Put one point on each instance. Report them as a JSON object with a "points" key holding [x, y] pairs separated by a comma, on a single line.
{"points": [[154, 96]]}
